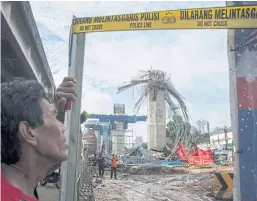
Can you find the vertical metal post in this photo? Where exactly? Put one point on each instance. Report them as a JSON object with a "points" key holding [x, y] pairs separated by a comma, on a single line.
{"points": [[132, 138], [69, 170], [218, 136], [243, 83], [226, 138]]}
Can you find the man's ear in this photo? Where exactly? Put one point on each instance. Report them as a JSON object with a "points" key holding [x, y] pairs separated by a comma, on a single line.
{"points": [[27, 134]]}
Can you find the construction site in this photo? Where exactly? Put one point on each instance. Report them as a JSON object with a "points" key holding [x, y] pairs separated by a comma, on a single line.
{"points": [[173, 164]]}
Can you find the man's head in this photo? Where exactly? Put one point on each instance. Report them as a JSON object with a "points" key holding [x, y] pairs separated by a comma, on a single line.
{"points": [[28, 122]]}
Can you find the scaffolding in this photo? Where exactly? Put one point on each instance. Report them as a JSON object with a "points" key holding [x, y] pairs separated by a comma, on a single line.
{"points": [[120, 141]]}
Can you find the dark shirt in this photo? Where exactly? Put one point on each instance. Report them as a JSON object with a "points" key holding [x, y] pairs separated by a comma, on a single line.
{"points": [[101, 161]]}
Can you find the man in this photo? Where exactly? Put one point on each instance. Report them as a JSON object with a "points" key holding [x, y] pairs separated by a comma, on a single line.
{"points": [[33, 143], [101, 165], [114, 163], [94, 163]]}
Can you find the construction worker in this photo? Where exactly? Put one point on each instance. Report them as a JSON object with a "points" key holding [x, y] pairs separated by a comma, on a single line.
{"points": [[114, 163], [94, 162], [101, 165]]}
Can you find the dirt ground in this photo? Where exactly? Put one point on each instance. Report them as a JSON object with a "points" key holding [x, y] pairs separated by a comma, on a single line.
{"points": [[178, 185], [185, 187]]}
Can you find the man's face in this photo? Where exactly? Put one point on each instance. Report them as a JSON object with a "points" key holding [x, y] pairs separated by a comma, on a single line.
{"points": [[51, 141]]}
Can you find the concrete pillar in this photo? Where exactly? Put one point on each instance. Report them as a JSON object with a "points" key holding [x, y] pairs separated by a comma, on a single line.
{"points": [[110, 144], [118, 140], [105, 138], [98, 137], [156, 121]]}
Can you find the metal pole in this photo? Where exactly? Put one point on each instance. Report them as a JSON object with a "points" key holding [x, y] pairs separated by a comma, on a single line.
{"points": [[69, 174], [243, 83], [226, 138], [218, 136], [132, 138], [233, 110]]}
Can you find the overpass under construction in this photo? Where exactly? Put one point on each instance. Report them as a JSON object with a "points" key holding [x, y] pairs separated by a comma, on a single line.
{"points": [[22, 54], [110, 130]]}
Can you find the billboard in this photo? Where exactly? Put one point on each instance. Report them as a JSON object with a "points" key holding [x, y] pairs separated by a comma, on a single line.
{"points": [[119, 108]]}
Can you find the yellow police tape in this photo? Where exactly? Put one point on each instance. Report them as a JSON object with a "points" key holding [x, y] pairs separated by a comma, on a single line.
{"points": [[199, 18]]}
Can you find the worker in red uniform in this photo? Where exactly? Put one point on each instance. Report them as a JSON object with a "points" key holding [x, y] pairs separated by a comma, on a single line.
{"points": [[33, 143], [114, 163]]}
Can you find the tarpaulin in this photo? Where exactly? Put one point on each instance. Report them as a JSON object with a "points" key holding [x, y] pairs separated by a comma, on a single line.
{"points": [[182, 153], [164, 163], [199, 157]]}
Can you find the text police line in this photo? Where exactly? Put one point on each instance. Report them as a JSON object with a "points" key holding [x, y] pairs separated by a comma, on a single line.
{"points": [[99, 27]]}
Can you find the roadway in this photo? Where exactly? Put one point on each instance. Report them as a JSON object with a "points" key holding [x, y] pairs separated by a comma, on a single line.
{"points": [[48, 193]]}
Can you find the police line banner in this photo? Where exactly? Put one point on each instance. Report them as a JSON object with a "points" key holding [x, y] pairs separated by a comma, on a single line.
{"points": [[200, 18]]}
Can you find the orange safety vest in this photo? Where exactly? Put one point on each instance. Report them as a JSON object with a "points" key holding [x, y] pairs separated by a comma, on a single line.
{"points": [[114, 162]]}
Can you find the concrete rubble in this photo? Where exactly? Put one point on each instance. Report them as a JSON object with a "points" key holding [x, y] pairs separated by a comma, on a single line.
{"points": [[143, 177]]}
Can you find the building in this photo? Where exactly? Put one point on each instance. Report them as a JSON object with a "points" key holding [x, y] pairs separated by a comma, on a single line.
{"points": [[203, 126], [219, 137]]}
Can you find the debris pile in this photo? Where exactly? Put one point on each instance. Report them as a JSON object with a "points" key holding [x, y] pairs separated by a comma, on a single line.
{"points": [[186, 187]]}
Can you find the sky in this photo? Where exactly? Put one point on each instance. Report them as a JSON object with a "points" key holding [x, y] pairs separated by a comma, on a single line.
{"points": [[196, 60]]}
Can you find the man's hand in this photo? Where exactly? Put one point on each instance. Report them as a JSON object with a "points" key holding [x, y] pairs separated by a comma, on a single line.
{"points": [[65, 92]]}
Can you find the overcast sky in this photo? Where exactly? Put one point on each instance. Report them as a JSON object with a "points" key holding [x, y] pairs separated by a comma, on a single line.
{"points": [[195, 59]]}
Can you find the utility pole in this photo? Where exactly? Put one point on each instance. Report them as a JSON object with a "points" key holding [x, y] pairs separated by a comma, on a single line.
{"points": [[69, 169], [243, 83], [218, 136], [226, 138], [132, 138]]}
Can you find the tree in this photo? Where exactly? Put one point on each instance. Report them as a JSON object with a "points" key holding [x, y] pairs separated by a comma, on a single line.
{"points": [[178, 130], [198, 138], [160, 92]]}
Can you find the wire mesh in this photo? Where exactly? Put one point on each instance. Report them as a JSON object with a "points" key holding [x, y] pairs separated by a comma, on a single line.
{"points": [[85, 180]]}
